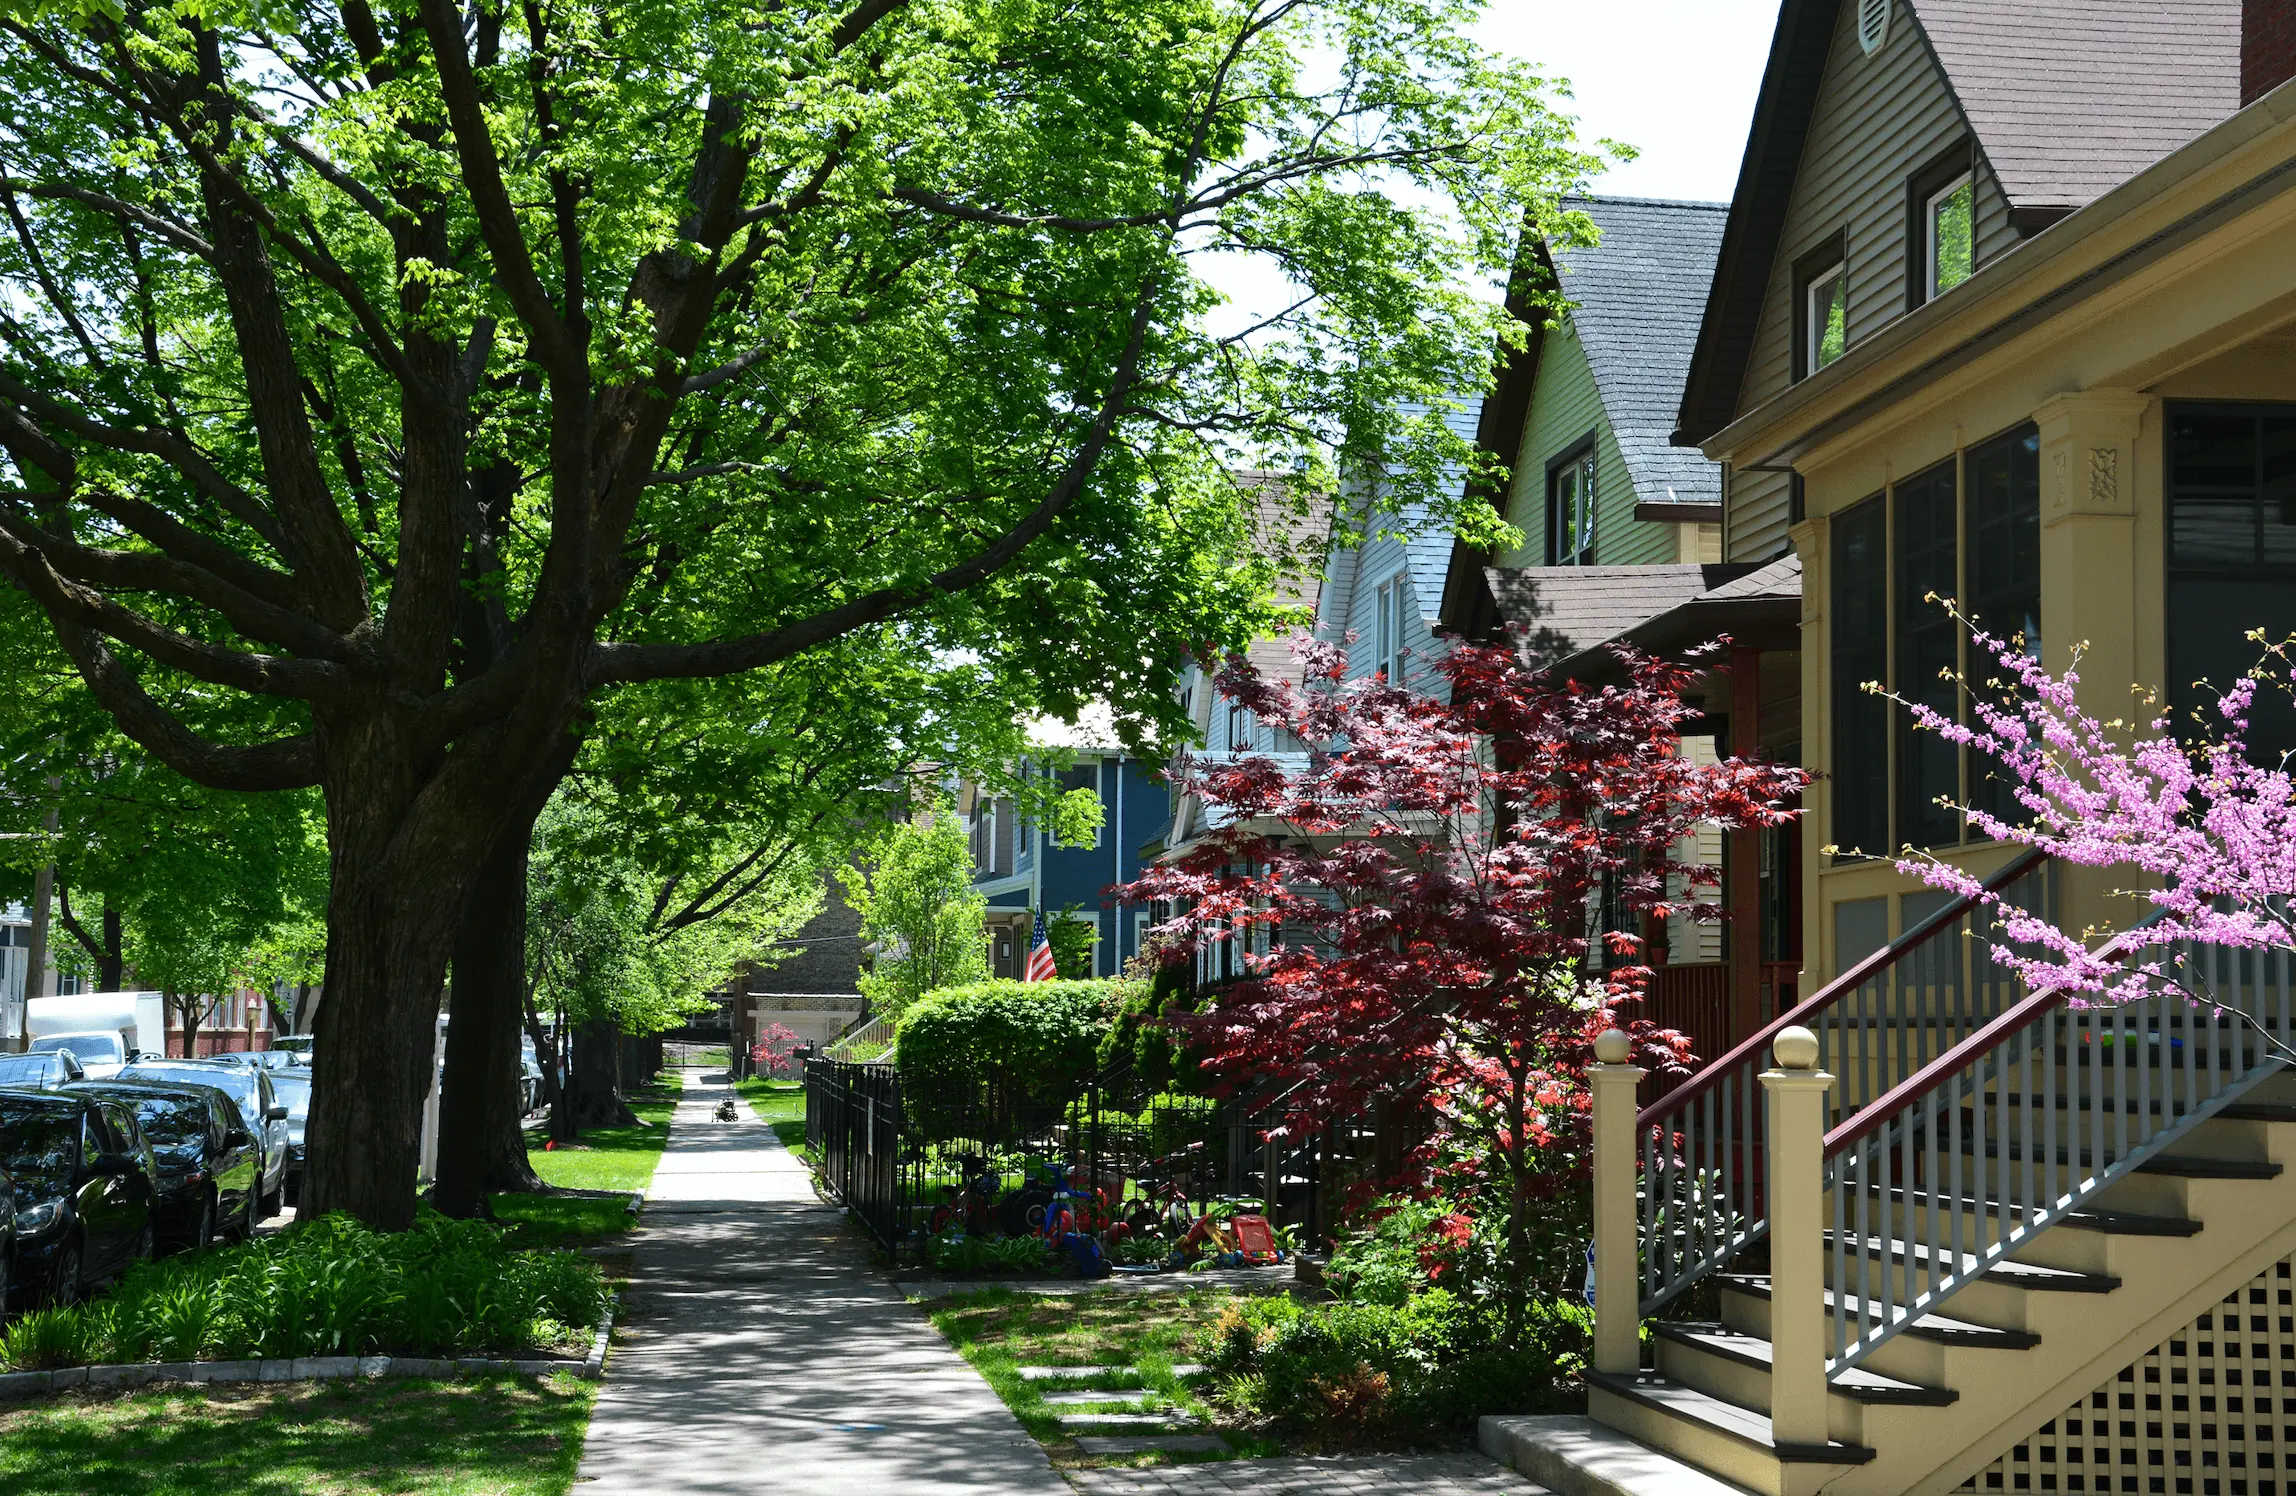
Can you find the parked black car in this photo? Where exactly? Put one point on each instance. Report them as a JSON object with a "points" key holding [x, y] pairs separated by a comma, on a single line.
{"points": [[208, 1165], [250, 1090], [41, 1072], [84, 1187]]}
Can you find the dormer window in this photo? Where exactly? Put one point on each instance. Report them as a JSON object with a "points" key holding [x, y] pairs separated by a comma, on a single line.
{"points": [[1951, 217], [1822, 308]]}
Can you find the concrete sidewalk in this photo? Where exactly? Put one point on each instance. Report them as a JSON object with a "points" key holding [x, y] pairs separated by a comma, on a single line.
{"points": [[766, 1353]]}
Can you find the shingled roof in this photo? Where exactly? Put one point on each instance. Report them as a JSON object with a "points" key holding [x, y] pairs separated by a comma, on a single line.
{"points": [[1637, 299], [1556, 612], [2066, 100], [2070, 98]]}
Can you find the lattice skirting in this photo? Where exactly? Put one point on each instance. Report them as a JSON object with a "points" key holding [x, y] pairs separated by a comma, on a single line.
{"points": [[2211, 1411]]}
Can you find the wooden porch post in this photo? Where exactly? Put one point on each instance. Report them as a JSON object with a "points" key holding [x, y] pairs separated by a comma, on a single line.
{"points": [[1744, 895]]}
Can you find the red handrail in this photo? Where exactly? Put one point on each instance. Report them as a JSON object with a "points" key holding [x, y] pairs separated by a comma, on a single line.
{"points": [[1834, 991], [1874, 1116]]}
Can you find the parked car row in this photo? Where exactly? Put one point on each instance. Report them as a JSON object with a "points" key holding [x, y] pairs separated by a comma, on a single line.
{"points": [[97, 1173]]}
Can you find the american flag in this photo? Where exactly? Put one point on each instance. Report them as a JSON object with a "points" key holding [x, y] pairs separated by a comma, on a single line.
{"points": [[1040, 967]]}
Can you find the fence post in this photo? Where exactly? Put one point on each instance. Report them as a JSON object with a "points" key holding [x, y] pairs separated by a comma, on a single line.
{"points": [[1797, 1097], [1617, 1282]]}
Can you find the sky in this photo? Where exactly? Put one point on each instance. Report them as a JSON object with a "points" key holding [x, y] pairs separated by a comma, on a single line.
{"points": [[1675, 78]]}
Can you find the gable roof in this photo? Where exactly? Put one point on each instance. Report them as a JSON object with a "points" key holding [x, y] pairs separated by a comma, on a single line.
{"points": [[1638, 296], [2070, 98], [2066, 100]]}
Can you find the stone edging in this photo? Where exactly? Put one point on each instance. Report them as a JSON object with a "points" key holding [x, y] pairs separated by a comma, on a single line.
{"points": [[22, 1384]]}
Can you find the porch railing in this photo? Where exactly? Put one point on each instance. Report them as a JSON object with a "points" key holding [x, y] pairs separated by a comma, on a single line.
{"points": [[1878, 1024], [2025, 1120]]}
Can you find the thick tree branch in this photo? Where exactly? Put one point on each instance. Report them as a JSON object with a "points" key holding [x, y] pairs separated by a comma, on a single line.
{"points": [[283, 764], [161, 227]]}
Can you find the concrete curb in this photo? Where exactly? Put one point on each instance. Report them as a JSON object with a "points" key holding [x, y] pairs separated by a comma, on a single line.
{"points": [[17, 1385], [594, 1364]]}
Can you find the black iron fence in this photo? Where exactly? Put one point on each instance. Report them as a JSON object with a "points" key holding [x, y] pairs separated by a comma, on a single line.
{"points": [[901, 1156]]}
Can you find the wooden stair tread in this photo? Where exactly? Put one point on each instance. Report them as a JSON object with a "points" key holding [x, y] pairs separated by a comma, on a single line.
{"points": [[2178, 1165], [1751, 1350], [2087, 1218], [1937, 1327], [2028, 1275], [1725, 1418]]}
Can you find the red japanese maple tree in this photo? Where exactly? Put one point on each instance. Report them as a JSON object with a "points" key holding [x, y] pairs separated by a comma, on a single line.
{"points": [[1419, 898]]}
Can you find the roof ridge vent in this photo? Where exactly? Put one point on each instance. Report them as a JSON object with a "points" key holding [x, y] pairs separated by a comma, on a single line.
{"points": [[1873, 25]]}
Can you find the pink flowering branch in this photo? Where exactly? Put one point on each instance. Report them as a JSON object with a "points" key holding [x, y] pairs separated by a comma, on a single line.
{"points": [[2207, 835]]}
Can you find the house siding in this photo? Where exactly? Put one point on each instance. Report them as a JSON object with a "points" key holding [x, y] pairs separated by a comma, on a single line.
{"points": [[1878, 121], [1565, 406]]}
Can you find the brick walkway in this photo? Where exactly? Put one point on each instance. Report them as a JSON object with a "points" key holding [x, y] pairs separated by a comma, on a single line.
{"points": [[1339, 1475]]}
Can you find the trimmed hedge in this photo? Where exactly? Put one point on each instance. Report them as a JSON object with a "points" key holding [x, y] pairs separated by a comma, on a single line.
{"points": [[1025, 1040]]}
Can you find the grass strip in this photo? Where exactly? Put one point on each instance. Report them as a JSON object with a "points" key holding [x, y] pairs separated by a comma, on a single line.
{"points": [[486, 1436], [781, 1104], [605, 1158], [1000, 1330]]}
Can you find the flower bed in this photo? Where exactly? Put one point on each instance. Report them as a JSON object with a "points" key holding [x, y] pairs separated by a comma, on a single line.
{"points": [[329, 1287]]}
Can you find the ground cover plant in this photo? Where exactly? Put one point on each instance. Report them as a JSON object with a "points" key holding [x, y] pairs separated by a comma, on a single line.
{"points": [[487, 1436], [329, 1287], [1000, 1330]]}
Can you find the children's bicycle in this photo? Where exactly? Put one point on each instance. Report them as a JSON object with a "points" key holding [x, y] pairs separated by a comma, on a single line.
{"points": [[972, 1203]]}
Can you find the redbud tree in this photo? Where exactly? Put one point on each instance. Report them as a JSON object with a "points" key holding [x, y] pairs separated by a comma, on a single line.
{"points": [[2203, 825], [1417, 898]]}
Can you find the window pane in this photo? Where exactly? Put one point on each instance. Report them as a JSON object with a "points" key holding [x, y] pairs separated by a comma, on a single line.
{"points": [[2213, 531], [1829, 317], [2212, 451], [1927, 765], [2004, 522], [1952, 238], [1860, 755]]}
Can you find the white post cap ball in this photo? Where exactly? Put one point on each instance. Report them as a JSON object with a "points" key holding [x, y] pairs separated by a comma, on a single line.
{"points": [[1796, 1048], [1612, 1047]]}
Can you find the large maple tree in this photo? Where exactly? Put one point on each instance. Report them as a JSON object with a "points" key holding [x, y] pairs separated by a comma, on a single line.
{"points": [[418, 372]]}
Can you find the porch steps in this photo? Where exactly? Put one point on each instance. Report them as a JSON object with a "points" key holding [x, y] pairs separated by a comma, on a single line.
{"points": [[1727, 1419], [1967, 1379], [1572, 1455], [1753, 1351]]}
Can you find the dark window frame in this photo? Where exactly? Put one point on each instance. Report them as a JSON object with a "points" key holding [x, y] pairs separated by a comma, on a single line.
{"points": [[1917, 626], [1819, 261], [1955, 161], [2184, 635], [1580, 457]]}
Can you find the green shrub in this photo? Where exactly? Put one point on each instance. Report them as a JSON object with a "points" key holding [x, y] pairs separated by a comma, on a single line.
{"points": [[1139, 1038], [1027, 1040], [327, 1287], [989, 1254], [1352, 1373]]}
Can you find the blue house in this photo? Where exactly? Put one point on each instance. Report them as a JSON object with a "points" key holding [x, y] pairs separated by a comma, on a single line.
{"points": [[1020, 870]]}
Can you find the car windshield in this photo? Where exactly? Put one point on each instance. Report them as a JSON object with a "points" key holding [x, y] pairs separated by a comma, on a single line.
{"points": [[234, 1082], [292, 1092], [39, 1142], [100, 1048], [20, 1069], [172, 1123]]}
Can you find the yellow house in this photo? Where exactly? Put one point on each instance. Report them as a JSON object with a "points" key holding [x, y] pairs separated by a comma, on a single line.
{"points": [[2005, 313]]}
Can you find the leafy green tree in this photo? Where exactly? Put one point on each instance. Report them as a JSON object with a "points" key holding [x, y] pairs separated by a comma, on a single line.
{"points": [[913, 888], [603, 962], [384, 383]]}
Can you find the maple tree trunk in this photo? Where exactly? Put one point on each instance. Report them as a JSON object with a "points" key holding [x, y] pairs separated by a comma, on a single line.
{"points": [[593, 1087], [482, 1144]]}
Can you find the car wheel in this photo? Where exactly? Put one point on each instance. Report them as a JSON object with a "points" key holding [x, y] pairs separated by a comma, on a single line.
{"points": [[203, 1229], [250, 1212], [144, 1245], [68, 1286], [273, 1201]]}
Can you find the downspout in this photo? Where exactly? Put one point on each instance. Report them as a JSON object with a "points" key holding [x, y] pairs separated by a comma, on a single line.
{"points": [[1116, 944]]}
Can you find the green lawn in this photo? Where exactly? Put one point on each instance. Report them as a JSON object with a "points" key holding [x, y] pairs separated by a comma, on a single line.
{"points": [[607, 1158], [494, 1436], [1000, 1330], [782, 1103]]}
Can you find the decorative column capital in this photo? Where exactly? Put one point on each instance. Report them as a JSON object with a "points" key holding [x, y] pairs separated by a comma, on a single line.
{"points": [[2088, 452]]}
